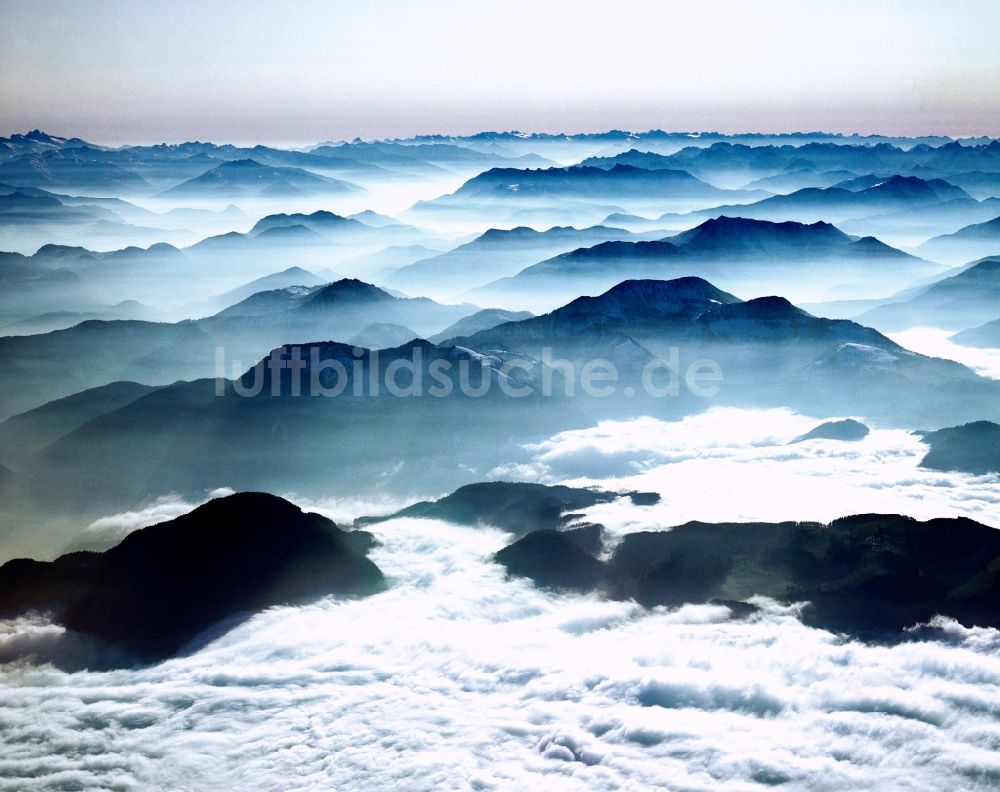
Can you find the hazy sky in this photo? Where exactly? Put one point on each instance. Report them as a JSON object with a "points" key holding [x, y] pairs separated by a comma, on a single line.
{"points": [[116, 71]]}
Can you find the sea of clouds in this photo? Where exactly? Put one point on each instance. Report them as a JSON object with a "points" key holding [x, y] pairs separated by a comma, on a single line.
{"points": [[735, 464], [456, 678], [459, 678]]}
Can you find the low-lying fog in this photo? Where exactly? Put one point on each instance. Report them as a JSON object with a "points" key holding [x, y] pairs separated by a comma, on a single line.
{"points": [[936, 343]]}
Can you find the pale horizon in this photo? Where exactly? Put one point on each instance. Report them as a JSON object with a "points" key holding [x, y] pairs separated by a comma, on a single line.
{"points": [[121, 74]]}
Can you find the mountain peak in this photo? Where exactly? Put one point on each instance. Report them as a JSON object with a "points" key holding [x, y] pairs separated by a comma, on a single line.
{"points": [[347, 290], [761, 309], [644, 299], [727, 231]]}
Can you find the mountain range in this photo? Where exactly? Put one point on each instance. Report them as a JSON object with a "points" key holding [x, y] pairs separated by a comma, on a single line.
{"points": [[871, 575], [741, 254]]}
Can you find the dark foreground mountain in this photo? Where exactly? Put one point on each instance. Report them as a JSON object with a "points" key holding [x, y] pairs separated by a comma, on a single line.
{"points": [[162, 587], [970, 448], [870, 575]]}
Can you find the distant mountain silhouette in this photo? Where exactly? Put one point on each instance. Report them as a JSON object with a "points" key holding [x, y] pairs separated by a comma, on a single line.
{"points": [[498, 253], [964, 300], [37, 369], [837, 204], [751, 254], [293, 276], [582, 181], [25, 434], [847, 430], [623, 310], [82, 168], [974, 241], [248, 178], [575, 194], [383, 335], [480, 320], [771, 352], [986, 335], [320, 221]]}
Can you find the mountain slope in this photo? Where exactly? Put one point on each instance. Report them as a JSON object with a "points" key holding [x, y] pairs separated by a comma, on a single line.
{"points": [[973, 241], [986, 336], [871, 575], [248, 178], [163, 586], [813, 260], [971, 448], [967, 299], [496, 253]]}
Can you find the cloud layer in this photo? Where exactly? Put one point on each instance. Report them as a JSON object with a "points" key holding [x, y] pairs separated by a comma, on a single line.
{"points": [[732, 464], [456, 678]]}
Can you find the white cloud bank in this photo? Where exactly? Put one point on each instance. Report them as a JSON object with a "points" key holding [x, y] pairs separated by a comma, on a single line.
{"points": [[936, 343], [733, 464], [457, 679]]}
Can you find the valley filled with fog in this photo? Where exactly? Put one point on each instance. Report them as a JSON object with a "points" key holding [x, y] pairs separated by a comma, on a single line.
{"points": [[564, 461]]}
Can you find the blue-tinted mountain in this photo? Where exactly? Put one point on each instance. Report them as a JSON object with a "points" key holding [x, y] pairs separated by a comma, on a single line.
{"points": [[34, 141], [743, 254], [581, 182], [623, 311], [771, 352], [986, 335], [293, 276], [836, 204], [498, 253], [847, 430], [480, 320], [974, 241], [247, 178], [39, 368], [960, 301], [79, 168], [25, 434], [382, 335], [872, 575]]}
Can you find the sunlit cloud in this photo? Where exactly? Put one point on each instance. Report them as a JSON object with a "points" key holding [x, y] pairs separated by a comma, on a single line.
{"points": [[734, 464], [456, 676]]}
